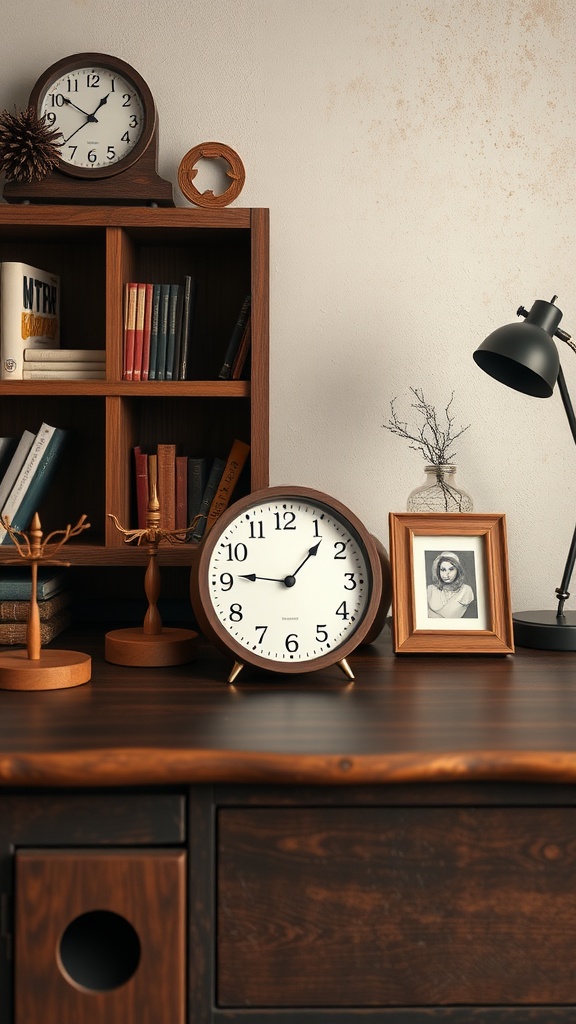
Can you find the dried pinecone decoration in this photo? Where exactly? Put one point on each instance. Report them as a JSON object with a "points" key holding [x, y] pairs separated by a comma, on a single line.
{"points": [[29, 149]]}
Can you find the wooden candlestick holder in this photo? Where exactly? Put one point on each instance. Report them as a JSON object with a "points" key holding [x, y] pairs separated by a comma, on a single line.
{"points": [[151, 644], [34, 668]]}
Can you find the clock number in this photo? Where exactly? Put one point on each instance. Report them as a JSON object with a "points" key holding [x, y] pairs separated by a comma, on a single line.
{"points": [[261, 637], [110, 153], [57, 99], [238, 553], [72, 151], [257, 530], [343, 611], [350, 576], [321, 634], [316, 528], [125, 137], [92, 156], [287, 519], [72, 85], [133, 121], [340, 549], [126, 99], [92, 81], [291, 643], [50, 118], [236, 613], [226, 581]]}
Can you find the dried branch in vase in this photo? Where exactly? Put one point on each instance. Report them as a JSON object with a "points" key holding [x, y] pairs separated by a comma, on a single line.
{"points": [[434, 440]]}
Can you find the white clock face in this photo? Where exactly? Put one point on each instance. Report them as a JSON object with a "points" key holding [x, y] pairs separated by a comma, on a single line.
{"points": [[289, 580], [99, 114]]}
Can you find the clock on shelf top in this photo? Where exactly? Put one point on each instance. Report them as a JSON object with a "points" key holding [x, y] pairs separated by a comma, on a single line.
{"points": [[108, 149]]}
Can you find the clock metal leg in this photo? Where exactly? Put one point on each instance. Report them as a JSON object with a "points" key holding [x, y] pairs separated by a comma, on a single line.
{"points": [[346, 668], [236, 670]]}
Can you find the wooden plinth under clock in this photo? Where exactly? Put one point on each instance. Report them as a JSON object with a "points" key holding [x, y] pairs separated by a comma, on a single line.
{"points": [[132, 646], [54, 670]]}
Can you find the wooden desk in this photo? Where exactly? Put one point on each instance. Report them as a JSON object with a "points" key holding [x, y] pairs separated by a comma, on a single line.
{"points": [[402, 849]]}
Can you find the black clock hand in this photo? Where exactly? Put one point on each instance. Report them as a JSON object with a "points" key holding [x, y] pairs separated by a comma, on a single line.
{"points": [[104, 100], [252, 577], [313, 551], [70, 104], [76, 130]]}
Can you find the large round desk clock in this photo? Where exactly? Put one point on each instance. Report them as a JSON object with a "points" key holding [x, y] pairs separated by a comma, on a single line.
{"points": [[289, 580], [107, 119]]}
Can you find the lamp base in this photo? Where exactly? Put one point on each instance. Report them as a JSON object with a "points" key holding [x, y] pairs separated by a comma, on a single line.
{"points": [[545, 630]]}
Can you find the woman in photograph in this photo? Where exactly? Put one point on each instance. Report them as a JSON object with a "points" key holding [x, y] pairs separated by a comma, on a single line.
{"points": [[448, 595]]}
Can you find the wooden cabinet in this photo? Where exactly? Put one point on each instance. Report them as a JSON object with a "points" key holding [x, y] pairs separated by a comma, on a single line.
{"points": [[398, 852], [96, 250]]}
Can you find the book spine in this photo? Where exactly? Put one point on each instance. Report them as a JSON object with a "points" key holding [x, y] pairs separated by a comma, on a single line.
{"points": [[235, 339], [139, 331], [60, 355], [18, 588], [162, 332], [154, 332], [29, 466], [216, 470], [147, 332], [64, 374], [141, 465], [187, 320], [16, 463], [18, 611], [230, 475], [167, 485], [67, 366], [37, 486], [15, 632], [197, 469], [242, 353], [174, 314], [130, 295], [29, 314], [181, 492]]}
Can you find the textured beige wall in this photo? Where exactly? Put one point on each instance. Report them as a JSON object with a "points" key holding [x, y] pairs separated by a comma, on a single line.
{"points": [[417, 159]]}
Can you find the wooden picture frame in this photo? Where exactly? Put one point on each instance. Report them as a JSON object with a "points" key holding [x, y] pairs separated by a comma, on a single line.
{"points": [[430, 616]]}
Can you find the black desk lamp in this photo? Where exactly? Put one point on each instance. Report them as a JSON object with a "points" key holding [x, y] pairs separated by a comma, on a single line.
{"points": [[524, 357]]}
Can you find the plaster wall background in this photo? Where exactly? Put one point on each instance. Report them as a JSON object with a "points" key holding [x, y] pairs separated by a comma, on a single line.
{"points": [[418, 161]]}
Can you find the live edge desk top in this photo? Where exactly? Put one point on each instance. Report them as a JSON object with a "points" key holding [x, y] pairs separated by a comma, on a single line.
{"points": [[405, 719]]}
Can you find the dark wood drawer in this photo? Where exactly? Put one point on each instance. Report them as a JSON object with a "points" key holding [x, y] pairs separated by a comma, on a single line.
{"points": [[390, 906]]}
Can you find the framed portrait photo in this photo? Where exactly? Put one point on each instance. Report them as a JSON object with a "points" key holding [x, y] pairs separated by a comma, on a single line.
{"points": [[450, 583]]}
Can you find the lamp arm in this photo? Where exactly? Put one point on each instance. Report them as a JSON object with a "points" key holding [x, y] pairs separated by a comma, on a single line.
{"points": [[562, 592]]}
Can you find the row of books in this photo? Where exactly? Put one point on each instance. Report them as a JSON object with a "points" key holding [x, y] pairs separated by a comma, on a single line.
{"points": [[27, 467], [192, 491], [54, 603], [64, 364], [157, 330]]}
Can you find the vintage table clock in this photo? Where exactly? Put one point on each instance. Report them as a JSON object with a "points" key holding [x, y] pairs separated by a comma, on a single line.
{"points": [[107, 118], [288, 579]]}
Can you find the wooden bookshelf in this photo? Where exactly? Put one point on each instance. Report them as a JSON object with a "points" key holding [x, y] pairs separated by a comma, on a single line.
{"points": [[96, 250]]}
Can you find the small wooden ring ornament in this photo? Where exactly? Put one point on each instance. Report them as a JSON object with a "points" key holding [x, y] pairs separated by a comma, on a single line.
{"points": [[187, 171]]}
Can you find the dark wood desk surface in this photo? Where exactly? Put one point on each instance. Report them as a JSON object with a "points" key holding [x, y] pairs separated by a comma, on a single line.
{"points": [[406, 718]]}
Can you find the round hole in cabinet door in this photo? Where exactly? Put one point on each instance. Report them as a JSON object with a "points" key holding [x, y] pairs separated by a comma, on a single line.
{"points": [[99, 951]]}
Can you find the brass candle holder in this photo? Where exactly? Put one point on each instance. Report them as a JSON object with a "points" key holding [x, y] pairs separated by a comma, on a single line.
{"points": [[151, 644], [34, 668]]}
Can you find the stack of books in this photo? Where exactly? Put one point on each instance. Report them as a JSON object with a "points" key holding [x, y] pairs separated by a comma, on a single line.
{"points": [[157, 330], [190, 489], [64, 364], [54, 603], [28, 475], [29, 314]]}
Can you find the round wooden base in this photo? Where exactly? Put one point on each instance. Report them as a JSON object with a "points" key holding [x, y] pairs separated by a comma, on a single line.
{"points": [[55, 670], [133, 646]]}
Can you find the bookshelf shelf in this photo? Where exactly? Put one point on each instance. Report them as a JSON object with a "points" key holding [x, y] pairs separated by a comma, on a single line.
{"points": [[96, 251]]}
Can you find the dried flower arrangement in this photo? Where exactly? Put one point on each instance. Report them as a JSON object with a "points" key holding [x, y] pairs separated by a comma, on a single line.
{"points": [[29, 148], [430, 438]]}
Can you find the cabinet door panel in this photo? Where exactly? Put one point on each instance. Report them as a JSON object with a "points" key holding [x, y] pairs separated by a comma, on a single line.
{"points": [[100, 936], [396, 907]]}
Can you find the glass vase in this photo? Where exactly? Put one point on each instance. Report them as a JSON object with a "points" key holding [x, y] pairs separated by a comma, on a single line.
{"points": [[439, 493]]}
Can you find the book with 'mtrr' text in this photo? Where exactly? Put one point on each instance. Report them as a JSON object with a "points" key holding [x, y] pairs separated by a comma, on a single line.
{"points": [[29, 314]]}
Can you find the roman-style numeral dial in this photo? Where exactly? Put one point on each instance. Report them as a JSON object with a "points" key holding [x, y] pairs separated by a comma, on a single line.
{"points": [[287, 579]]}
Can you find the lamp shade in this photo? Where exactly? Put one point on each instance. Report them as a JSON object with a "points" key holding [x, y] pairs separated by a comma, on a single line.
{"points": [[523, 355]]}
